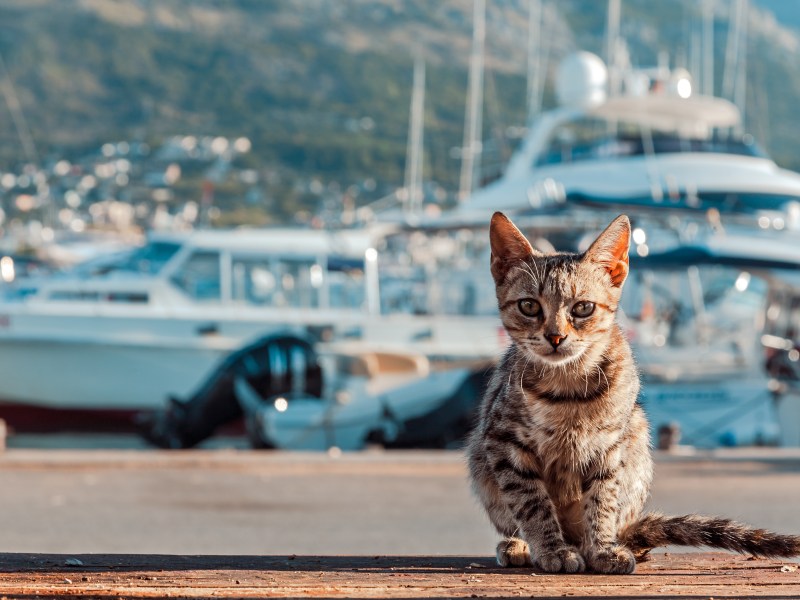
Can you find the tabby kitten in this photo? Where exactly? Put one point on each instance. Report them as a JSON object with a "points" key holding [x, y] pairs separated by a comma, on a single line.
{"points": [[560, 457]]}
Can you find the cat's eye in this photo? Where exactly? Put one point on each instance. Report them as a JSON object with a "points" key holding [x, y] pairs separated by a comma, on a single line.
{"points": [[583, 309], [529, 307]]}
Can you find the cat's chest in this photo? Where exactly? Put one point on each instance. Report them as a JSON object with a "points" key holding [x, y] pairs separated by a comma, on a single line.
{"points": [[568, 438]]}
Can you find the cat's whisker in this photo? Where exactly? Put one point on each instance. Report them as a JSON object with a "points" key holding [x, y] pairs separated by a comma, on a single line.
{"points": [[511, 371], [537, 264], [586, 387], [522, 377], [526, 268], [603, 373]]}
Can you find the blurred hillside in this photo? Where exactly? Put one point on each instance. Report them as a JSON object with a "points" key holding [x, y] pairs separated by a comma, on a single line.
{"points": [[322, 87]]}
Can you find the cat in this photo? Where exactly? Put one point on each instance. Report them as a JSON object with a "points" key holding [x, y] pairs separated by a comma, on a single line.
{"points": [[560, 456]]}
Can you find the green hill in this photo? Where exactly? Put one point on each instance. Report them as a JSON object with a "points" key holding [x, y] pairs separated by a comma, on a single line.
{"points": [[322, 87]]}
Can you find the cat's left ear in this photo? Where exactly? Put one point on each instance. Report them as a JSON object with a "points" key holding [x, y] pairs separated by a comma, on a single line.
{"points": [[508, 245], [610, 249]]}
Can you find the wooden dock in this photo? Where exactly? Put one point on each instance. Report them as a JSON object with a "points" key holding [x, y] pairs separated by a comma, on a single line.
{"points": [[231, 524], [169, 576]]}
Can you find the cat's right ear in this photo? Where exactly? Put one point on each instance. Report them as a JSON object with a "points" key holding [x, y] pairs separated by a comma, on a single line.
{"points": [[508, 245], [610, 249]]}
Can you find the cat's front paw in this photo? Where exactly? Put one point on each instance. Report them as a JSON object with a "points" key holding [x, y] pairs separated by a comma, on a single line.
{"points": [[616, 559], [513, 552], [566, 559]]}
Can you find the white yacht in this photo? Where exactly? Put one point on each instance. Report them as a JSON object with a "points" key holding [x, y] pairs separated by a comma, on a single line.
{"points": [[655, 146], [121, 334]]}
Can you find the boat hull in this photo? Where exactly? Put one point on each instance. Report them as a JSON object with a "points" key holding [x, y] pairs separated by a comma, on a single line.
{"points": [[27, 418], [314, 424], [88, 375], [94, 372], [732, 412]]}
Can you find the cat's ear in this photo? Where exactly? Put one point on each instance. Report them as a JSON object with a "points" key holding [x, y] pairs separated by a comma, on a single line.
{"points": [[610, 249], [508, 245]]}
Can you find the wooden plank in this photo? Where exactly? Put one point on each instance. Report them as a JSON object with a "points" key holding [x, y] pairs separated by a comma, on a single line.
{"points": [[711, 575]]}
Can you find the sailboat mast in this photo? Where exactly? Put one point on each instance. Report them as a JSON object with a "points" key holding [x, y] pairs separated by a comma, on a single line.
{"points": [[17, 116], [612, 42], [26, 139], [732, 51], [740, 92], [734, 80], [473, 119], [534, 58], [414, 150], [708, 47]]}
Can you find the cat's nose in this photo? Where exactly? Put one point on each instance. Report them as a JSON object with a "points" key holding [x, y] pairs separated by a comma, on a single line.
{"points": [[555, 339]]}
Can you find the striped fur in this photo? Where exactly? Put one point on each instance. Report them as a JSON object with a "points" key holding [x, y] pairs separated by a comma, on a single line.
{"points": [[560, 457], [654, 530]]}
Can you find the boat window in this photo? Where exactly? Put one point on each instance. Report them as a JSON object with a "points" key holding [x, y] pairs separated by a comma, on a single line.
{"points": [[346, 283], [706, 305], [199, 276], [724, 202], [277, 281], [131, 297], [253, 281], [147, 260], [152, 257], [74, 296], [298, 282], [592, 139], [96, 296], [435, 274]]}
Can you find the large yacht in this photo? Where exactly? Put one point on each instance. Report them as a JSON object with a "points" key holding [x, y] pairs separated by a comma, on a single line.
{"points": [[654, 147]]}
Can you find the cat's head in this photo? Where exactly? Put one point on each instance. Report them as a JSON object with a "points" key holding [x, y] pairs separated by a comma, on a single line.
{"points": [[559, 307]]}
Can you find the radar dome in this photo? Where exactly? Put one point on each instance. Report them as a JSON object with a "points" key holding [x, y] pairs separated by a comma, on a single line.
{"points": [[581, 80]]}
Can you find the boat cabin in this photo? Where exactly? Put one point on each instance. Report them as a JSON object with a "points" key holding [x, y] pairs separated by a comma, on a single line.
{"points": [[280, 268]]}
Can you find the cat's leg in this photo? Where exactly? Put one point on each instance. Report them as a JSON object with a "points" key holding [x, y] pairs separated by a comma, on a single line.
{"points": [[637, 471], [524, 494], [601, 510], [513, 552], [615, 496], [635, 480]]}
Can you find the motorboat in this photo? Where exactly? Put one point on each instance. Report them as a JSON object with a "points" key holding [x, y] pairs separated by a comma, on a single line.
{"points": [[391, 400], [120, 334], [293, 397], [124, 332]]}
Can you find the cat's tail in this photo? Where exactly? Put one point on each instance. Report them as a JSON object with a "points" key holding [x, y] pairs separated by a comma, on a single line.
{"points": [[654, 530]]}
